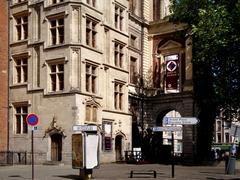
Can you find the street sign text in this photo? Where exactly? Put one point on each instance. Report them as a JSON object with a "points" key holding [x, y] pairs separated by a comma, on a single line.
{"points": [[180, 120], [167, 128]]}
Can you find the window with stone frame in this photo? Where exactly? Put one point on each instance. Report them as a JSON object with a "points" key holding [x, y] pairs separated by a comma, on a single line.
{"points": [[91, 113], [156, 9], [107, 136], [133, 41], [118, 54], [56, 30], [91, 78], [119, 16], [91, 32], [56, 1], [21, 112], [135, 7], [91, 3], [219, 126], [56, 76], [227, 137], [118, 96], [21, 25], [132, 5], [219, 137], [21, 69], [133, 70]]}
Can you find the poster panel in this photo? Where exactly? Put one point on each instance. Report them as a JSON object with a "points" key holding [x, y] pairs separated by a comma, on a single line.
{"points": [[77, 151], [91, 150]]}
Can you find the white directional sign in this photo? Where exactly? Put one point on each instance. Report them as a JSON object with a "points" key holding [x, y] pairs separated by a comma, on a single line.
{"points": [[84, 128], [180, 120], [167, 128]]}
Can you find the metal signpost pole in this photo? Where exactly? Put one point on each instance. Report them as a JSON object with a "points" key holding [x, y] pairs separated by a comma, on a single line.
{"points": [[32, 157], [172, 155], [175, 121], [32, 120]]}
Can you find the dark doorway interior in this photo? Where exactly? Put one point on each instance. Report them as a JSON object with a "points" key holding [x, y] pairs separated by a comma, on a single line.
{"points": [[118, 148], [56, 147]]}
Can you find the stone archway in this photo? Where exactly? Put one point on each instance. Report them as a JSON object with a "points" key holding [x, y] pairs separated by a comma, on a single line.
{"points": [[55, 135], [184, 104], [160, 142]]}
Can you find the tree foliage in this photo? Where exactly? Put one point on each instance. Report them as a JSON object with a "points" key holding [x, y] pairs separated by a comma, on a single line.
{"points": [[214, 26]]}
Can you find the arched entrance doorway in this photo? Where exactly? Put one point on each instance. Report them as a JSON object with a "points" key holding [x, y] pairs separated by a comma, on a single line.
{"points": [[56, 147], [118, 148], [161, 142]]}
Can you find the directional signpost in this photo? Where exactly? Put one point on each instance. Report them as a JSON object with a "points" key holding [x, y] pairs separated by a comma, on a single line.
{"points": [[85, 128], [180, 120], [167, 128], [32, 120], [175, 121]]}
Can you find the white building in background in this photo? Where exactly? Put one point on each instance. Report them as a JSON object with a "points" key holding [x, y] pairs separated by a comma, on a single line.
{"points": [[224, 132]]}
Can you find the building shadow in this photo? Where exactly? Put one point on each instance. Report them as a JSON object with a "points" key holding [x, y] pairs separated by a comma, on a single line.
{"points": [[222, 179], [70, 176]]}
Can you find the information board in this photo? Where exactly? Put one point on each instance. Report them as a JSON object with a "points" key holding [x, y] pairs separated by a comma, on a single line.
{"points": [[77, 151], [91, 150]]}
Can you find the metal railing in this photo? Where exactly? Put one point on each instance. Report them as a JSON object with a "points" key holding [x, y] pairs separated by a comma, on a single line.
{"points": [[12, 157], [133, 156]]}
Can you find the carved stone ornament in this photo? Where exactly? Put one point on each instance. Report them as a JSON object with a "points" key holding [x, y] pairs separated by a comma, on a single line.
{"points": [[92, 100], [54, 128]]}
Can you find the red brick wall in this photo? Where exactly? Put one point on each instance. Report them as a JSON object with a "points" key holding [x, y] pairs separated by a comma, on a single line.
{"points": [[3, 74]]}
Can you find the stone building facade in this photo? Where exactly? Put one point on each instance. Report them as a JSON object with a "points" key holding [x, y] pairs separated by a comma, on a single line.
{"points": [[4, 77], [165, 72], [69, 65], [113, 63]]}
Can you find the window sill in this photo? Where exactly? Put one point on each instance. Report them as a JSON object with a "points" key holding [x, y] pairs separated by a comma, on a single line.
{"points": [[18, 4], [55, 46], [18, 85], [55, 92], [92, 48], [32, 2], [115, 67], [50, 6], [19, 42], [91, 122]]}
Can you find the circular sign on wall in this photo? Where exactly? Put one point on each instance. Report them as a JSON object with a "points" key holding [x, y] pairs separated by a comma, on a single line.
{"points": [[32, 119], [171, 66]]}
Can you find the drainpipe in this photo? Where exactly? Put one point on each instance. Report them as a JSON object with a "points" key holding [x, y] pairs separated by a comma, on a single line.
{"points": [[141, 80], [8, 77]]}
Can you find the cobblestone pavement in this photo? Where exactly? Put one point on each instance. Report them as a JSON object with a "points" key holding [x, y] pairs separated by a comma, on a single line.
{"points": [[118, 172]]}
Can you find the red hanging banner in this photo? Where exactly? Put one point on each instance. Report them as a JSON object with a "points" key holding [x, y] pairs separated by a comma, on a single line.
{"points": [[172, 72]]}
